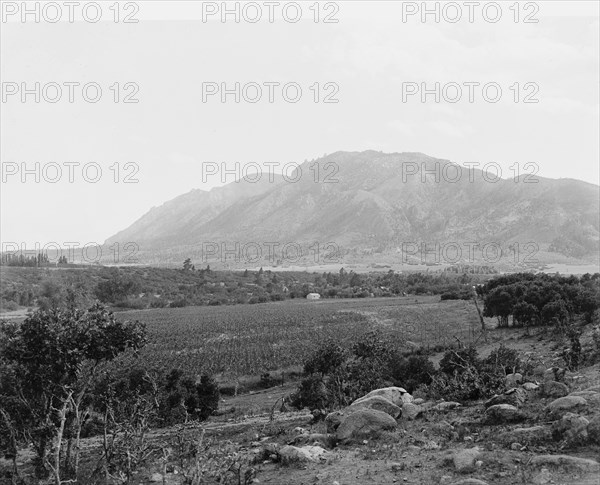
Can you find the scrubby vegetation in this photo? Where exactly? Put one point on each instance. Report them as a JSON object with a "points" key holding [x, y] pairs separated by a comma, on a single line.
{"points": [[141, 288], [58, 385], [334, 376]]}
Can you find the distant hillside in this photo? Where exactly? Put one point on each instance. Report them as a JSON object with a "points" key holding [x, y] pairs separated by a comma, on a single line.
{"points": [[374, 202]]}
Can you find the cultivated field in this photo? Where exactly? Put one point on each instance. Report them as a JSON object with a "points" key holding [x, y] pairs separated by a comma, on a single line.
{"points": [[252, 339]]}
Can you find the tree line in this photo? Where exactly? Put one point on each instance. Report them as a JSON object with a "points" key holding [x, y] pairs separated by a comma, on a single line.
{"points": [[531, 299]]}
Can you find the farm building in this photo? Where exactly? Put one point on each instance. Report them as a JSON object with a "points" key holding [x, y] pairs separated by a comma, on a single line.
{"points": [[313, 296]]}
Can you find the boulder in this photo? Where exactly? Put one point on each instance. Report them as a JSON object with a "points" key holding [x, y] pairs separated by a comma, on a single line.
{"points": [[411, 411], [378, 403], [513, 380], [530, 386], [292, 454], [593, 430], [464, 460], [515, 397], [563, 405], [553, 389], [566, 461], [446, 406], [334, 419], [572, 428], [364, 423], [396, 395], [503, 413]]}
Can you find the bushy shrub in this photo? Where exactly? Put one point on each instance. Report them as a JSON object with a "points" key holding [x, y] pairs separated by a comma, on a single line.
{"points": [[207, 392], [311, 394], [8, 305], [459, 360], [352, 380], [175, 396], [464, 386], [410, 372], [336, 376], [328, 357], [502, 360], [179, 303], [464, 377]]}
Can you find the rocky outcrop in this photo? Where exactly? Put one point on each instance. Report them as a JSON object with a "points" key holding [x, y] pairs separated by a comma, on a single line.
{"points": [[379, 403], [411, 411], [364, 423], [571, 428], [553, 389], [503, 413], [563, 405], [396, 395]]}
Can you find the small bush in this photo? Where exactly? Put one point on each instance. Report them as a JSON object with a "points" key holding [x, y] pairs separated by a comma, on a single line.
{"points": [[328, 357], [459, 360], [411, 372], [464, 377], [503, 360], [311, 394], [179, 303]]}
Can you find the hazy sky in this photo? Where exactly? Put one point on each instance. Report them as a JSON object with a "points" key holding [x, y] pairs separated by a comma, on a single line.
{"points": [[367, 56]]}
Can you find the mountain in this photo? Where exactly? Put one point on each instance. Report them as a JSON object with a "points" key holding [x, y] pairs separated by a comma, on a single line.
{"points": [[166, 226], [371, 201]]}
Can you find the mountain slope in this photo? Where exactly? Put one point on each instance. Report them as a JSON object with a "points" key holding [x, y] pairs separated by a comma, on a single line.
{"points": [[370, 199]]}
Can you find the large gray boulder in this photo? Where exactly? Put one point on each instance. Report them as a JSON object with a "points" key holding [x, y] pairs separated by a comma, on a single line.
{"points": [[396, 395], [378, 403], [530, 386], [553, 389], [593, 430], [411, 411], [503, 413], [572, 428], [335, 418], [563, 405], [364, 423]]}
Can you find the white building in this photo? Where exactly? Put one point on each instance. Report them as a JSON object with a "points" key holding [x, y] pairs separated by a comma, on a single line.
{"points": [[313, 296]]}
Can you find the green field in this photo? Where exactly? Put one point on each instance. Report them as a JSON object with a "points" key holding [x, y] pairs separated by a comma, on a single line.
{"points": [[252, 339]]}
